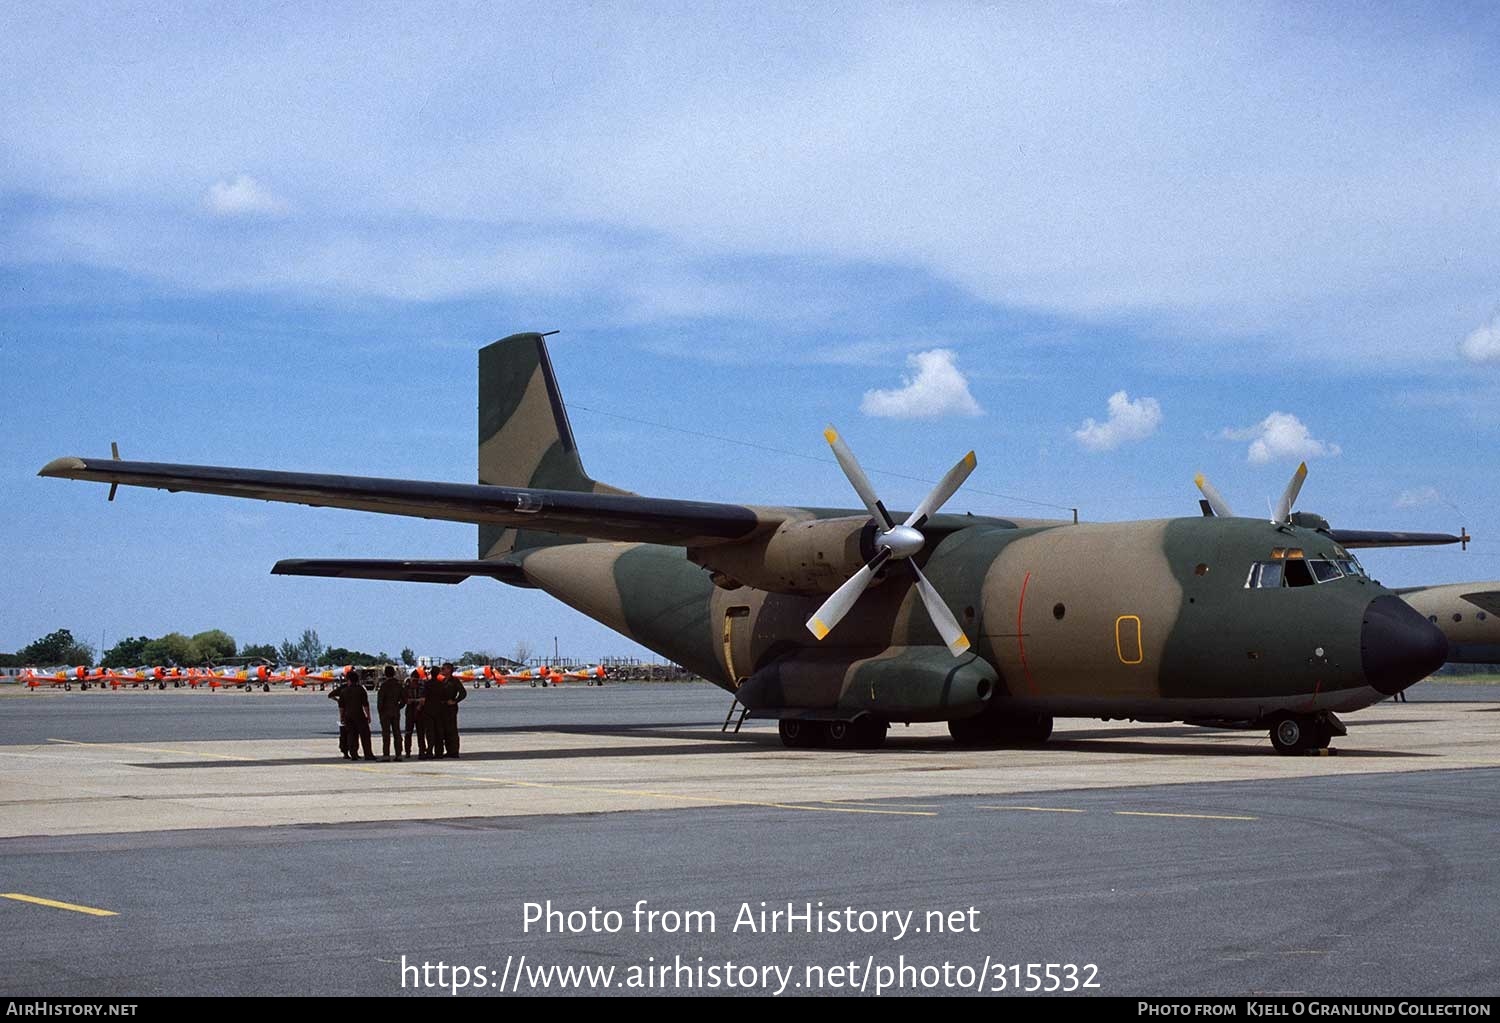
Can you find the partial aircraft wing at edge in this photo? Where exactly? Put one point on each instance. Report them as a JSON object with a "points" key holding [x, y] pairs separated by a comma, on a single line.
{"points": [[1379, 538], [412, 571], [598, 516]]}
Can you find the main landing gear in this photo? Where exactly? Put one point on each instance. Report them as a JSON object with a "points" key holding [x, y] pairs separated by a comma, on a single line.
{"points": [[1303, 733], [994, 729], [864, 732]]}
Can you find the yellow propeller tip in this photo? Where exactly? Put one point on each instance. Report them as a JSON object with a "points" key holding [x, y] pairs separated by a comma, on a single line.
{"points": [[1198, 480], [830, 435], [818, 628], [961, 643], [970, 460]]}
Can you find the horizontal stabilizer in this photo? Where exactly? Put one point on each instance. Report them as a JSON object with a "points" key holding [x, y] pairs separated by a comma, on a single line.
{"points": [[402, 571], [1378, 538], [1488, 600]]}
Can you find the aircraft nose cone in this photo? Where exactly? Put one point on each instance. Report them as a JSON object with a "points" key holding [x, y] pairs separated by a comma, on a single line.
{"points": [[1398, 646]]}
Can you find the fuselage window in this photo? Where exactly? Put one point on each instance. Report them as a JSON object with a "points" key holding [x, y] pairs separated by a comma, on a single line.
{"points": [[1325, 571]]}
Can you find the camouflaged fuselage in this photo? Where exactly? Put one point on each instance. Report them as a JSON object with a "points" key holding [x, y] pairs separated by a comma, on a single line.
{"points": [[1142, 619]]}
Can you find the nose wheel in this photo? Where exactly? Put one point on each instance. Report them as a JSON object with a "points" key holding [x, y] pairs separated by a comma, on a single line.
{"points": [[1302, 733]]}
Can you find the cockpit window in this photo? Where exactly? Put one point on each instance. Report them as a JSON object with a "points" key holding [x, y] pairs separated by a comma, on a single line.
{"points": [[1325, 571], [1264, 575], [1296, 573], [1349, 563], [1270, 575]]}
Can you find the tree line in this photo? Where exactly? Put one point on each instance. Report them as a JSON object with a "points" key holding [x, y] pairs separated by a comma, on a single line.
{"points": [[211, 646]]}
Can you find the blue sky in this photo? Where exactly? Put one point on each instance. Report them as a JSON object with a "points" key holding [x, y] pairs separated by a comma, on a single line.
{"points": [[276, 236]]}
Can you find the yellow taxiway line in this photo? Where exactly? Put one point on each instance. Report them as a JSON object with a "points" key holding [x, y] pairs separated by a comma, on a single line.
{"points": [[70, 906], [1189, 816]]}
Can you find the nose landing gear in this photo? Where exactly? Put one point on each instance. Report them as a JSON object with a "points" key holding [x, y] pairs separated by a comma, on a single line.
{"points": [[1304, 733]]}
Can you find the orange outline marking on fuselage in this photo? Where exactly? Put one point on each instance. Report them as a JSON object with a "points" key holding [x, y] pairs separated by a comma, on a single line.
{"points": [[1021, 634]]}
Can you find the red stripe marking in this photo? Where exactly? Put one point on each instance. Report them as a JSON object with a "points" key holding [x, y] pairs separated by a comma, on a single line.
{"points": [[1021, 635]]}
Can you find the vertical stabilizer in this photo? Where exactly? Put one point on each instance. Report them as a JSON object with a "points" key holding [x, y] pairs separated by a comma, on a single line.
{"points": [[525, 439]]}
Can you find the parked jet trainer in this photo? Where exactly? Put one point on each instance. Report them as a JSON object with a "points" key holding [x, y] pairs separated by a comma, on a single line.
{"points": [[838, 622]]}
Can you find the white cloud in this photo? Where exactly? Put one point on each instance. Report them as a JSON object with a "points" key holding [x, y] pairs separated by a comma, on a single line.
{"points": [[244, 196], [1417, 497], [1281, 435], [1483, 345], [1128, 421], [936, 389]]}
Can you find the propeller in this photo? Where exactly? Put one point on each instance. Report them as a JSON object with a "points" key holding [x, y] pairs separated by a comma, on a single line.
{"points": [[1281, 514], [893, 542]]}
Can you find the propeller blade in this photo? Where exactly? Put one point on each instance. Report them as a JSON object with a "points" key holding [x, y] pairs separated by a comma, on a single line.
{"points": [[1215, 500], [937, 610], [1289, 495], [946, 488], [838, 605], [857, 477]]}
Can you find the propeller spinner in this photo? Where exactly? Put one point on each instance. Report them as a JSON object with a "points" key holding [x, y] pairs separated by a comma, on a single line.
{"points": [[894, 542]]}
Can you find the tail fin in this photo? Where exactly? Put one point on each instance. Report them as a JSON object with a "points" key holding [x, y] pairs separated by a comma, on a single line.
{"points": [[525, 439]]}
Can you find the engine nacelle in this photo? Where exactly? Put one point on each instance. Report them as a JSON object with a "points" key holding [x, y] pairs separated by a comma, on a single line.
{"points": [[908, 683], [807, 556]]}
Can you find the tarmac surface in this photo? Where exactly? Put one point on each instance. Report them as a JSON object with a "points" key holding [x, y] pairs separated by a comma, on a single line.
{"points": [[239, 854]]}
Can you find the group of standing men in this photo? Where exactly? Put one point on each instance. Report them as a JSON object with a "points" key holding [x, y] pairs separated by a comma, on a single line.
{"points": [[431, 712]]}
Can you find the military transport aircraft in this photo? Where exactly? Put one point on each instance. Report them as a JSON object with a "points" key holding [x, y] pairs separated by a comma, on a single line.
{"points": [[1468, 614], [838, 622]]}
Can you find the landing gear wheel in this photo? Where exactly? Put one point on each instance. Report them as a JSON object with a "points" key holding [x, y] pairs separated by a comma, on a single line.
{"points": [[1322, 735], [972, 732], [992, 729], [839, 734], [797, 734], [1294, 733], [1032, 730], [870, 732]]}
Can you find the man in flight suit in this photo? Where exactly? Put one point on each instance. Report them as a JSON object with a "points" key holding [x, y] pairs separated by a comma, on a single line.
{"points": [[390, 700], [431, 723], [414, 683], [333, 694], [356, 707], [449, 696]]}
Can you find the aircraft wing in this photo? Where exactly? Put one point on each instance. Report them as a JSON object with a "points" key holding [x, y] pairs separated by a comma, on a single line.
{"points": [[402, 571], [598, 516], [1378, 538]]}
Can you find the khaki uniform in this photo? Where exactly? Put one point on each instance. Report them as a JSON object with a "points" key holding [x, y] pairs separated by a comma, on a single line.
{"points": [[355, 704], [390, 700]]}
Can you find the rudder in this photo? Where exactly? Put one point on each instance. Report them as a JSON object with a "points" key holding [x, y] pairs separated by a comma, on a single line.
{"points": [[525, 439]]}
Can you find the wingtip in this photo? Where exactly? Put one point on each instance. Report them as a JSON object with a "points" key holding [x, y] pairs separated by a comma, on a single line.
{"points": [[63, 467]]}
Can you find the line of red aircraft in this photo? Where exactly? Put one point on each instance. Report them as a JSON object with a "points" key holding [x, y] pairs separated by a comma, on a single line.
{"points": [[264, 677]]}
